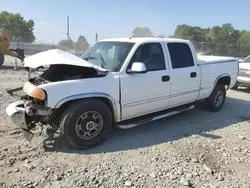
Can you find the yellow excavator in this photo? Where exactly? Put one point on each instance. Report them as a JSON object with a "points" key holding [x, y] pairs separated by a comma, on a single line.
{"points": [[4, 48]]}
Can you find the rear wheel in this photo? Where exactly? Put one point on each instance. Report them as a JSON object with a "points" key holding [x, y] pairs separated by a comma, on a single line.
{"points": [[217, 98], [1, 59], [85, 124]]}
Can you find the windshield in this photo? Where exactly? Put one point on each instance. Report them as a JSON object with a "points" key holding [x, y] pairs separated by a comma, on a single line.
{"points": [[109, 55], [247, 60]]}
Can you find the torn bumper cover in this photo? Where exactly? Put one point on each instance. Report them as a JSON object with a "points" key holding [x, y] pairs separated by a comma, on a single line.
{"points": [[16, 111]]}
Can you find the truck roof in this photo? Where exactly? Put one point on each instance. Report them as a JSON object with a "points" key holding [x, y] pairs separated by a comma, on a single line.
{"points": [[144, 39]]}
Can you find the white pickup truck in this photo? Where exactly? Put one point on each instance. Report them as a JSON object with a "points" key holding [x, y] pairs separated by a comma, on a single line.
{"points": [[243, 78], [118, 82]]}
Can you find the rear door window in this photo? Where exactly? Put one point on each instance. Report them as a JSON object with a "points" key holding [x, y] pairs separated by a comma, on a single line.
{"points": [[181, 55]]}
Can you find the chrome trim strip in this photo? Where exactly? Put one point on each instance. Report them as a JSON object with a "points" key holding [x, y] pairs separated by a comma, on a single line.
{"points": [[145, 101], [206, 87], [90, 95], [158, 98], [184, 93]]}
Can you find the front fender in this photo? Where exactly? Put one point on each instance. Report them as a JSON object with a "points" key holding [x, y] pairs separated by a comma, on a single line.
{"points": [[106, 88], [104, 96]]}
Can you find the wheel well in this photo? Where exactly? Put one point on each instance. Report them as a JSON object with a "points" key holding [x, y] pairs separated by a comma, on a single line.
{"points": [[226, 80], [109, 103]]}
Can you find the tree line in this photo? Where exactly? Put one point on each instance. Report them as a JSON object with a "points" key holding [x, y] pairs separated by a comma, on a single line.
{"points": [[222, 40], [20, 30], [80, 45]]}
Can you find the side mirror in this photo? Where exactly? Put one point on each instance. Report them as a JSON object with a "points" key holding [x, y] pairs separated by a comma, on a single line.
{"points": [[137, 67]]}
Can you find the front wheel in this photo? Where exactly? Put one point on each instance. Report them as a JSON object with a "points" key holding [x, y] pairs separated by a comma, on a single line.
{"points": [[86, 123], [217, 98]]}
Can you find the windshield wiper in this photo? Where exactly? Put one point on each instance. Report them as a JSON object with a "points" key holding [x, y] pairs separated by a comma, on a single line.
{"points": [[87, 58], [104, 65]]}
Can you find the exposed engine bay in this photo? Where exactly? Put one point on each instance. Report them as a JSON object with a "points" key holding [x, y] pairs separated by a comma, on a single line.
{"points": [[62, 72]]}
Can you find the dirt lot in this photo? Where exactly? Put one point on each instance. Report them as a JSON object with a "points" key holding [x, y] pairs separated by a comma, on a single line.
{"points": [[194, 149]]}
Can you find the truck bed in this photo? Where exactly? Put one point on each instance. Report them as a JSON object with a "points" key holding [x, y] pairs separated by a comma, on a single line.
{"points": [[212, 68], [214, 59]]}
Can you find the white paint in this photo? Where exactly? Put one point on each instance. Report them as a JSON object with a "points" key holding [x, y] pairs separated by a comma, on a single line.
{"points": [[56, 91], [140, 93], [244, 80], [210, 72], [203, 59], [246, 68], [56, 56], [137, 89], [13, 107], [138, 67]]}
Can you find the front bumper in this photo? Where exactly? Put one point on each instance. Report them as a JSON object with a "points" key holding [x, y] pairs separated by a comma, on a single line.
{"points": [[243, 80], [17, 113]]}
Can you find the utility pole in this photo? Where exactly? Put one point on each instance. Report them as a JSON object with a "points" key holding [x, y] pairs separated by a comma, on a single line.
{"points": [[68, 33], [68, 28], [96, 37]]}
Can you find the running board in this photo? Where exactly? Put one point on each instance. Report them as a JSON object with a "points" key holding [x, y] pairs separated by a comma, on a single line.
{"points": [[153, 118]]}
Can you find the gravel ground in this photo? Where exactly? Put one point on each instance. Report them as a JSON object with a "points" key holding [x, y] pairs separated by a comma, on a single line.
{"points": [[194, 149]]}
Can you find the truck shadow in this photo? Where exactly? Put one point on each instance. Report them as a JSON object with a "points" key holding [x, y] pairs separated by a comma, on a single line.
{"points": [[195, 122], [244, 89]]}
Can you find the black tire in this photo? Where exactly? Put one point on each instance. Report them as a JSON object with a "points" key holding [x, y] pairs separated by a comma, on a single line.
{"points": [[235, 87], [1, 59], [70, 119], [212, 102]]}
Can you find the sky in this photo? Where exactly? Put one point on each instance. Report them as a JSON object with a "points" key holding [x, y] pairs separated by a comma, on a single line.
{"points": [[118, 18]]}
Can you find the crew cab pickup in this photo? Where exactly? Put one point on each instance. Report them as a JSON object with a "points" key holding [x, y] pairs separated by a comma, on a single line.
{"points": [[118, 83], [243, 78]]}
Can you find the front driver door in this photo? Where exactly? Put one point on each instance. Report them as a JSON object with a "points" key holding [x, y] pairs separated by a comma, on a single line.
{"points": [[143, 93]]}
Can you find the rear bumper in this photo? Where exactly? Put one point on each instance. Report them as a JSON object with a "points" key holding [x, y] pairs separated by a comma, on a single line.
{"points": [[17, 113]]}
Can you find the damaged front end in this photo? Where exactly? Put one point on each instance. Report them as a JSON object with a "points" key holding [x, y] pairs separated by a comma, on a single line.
{"points": [[16, 111], [31, 108], [55, 65], [20, 115]]}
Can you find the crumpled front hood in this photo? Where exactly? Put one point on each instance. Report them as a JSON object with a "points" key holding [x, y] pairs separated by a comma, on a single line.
{"points": [[56, 56]]}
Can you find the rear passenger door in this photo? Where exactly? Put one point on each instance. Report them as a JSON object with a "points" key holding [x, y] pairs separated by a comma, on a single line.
{"points": [[184, 74]]}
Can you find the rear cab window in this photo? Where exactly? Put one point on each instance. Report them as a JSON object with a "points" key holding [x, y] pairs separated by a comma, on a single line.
{"points": [[181, 55]]}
